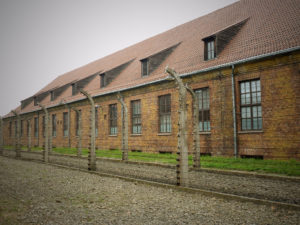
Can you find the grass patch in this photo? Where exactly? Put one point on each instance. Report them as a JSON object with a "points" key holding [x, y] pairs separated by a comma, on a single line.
{"points": [[290, 167]]}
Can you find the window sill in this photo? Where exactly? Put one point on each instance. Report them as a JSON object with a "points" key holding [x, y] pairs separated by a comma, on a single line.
{"points": [[250, 132], [206, 133], [164, 134], [113, 135], [135, 135]]}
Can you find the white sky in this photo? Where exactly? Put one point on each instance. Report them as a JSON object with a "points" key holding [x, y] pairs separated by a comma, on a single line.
{"points": [[42, 39]]}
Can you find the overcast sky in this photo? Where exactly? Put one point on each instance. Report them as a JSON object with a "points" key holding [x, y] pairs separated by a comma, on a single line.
{"points": [[42, 39]]}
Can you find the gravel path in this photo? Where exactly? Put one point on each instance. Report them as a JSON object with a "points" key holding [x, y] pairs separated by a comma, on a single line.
{"points": [[276, 190], [34, 193]]}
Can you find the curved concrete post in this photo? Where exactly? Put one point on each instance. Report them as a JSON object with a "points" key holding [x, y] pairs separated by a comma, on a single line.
{"points": [[46, 149], [182, 147], [78, 112], [124, 115], [1, 136], [17, 138], [196, 137], [92, 153]]}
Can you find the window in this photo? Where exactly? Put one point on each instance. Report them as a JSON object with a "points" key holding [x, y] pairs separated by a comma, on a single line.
{"points": [[102, 80], [21, 128], [210, 49], [36, 126], [54, 125], [164, 113], [74, 89], [145, 67], [44, 126], [113, 116], [136, 117], [203, 101], [96, 121], [51, 95], [35, 101], [65, 124], [251, 114], [9, 128]]}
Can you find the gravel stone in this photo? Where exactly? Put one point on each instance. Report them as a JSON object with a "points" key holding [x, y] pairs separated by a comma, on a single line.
{"points": [[36, 193]]}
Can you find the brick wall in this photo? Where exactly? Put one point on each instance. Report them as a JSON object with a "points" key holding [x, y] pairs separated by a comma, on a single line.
{"points": [[279, 137]]}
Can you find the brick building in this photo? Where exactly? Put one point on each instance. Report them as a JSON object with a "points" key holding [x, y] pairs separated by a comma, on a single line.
{"points": [[241, 60]]}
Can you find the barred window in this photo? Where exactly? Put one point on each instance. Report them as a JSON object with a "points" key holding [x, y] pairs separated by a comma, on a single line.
{"points": [[36, 126], [251, 112], [65, 124], [164, 113], [136, 117], [204, 114], [54, 125], [113, 116]]}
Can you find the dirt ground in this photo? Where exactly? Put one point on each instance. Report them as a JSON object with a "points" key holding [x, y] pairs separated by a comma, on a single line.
{"points": [[35, 193]]}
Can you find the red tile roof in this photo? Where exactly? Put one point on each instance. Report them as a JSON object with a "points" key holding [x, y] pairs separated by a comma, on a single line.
{"points": [[272, 25]]}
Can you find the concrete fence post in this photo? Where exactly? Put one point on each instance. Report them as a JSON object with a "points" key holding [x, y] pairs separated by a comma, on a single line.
{"points": [[124, 115], [29, 135], [1, 136], [78, 112], [92, 152], [196, 137], [50, 134], [182, 147], [69, 126], [18, 134], [46, 148]]}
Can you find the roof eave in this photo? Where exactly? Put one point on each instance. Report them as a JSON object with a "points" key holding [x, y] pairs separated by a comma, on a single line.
{"points": [[229, 64]]}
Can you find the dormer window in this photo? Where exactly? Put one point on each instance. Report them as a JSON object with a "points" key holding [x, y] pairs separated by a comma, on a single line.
{"points": [[51, 95], [102, 80], [145, 67], [35, 101], [74, 89], [210, 48]]}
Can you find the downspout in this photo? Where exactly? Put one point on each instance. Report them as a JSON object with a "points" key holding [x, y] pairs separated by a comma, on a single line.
{"points": [[234, 112]]}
